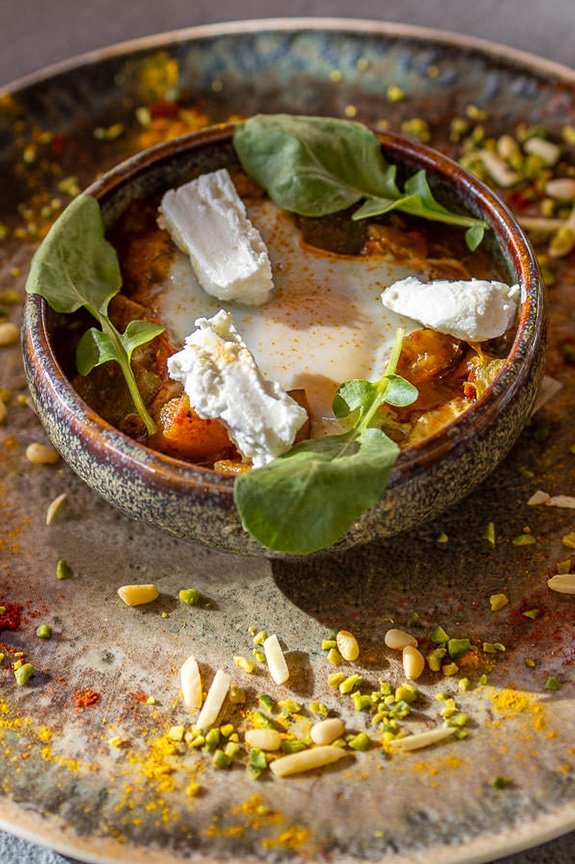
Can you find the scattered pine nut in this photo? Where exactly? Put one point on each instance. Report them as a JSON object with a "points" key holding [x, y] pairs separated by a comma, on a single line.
{"points": [[276, 661], [54, 507], [546, 150], [9, 334], [398, 639], [137, 595], [347, 645], [423, 739], [561, 188], [42, 454], [307, 760], [191, 683], [214, 701], [413, 662], [563, 583], [327, 731], [264, 739]]}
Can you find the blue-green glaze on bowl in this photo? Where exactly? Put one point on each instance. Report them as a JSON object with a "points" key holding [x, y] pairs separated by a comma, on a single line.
{"points": [[197, 504]]}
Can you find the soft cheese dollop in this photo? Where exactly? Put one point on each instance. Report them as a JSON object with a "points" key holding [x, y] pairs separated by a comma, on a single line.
{"points": [[207, 220], [474, 310], [223, 382]]}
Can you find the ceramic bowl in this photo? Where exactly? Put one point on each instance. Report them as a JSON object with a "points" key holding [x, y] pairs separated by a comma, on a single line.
{"points": [[196, 504]]}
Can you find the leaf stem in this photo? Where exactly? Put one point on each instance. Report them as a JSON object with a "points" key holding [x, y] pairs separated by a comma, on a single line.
{"points": [[123, 359], [383, 383]]}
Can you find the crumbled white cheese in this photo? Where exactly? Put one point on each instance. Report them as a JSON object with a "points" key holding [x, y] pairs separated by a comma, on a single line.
{"points": [[223, 382], [473, 310], [207, 220]]}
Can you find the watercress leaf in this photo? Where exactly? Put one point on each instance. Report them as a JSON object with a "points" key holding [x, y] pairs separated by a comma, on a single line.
{"points": [[357, 393], [306, 500], [400, 392], [313, 165], [98, 346], [94, 348], [138, 333], [378, 206], [76, 266], [474, 236]]}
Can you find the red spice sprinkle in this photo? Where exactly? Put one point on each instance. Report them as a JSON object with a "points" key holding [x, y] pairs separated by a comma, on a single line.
{"points": [[10, 619], [86, 697]]}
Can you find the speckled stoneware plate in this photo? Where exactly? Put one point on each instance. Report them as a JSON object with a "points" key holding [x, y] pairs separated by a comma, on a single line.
{"points": [[91, 758]]}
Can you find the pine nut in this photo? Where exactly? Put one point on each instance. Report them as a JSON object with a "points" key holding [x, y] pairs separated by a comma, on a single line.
{"points": [[214, 701], [42, 454], [398, 639], [423, 739], [347, 645], [563, 583], [137, 595], [413, 662], [191, 683], [276, 661], [9, 334], [561, 189], [264, 739], [307, 760], [327, 731], [54, 507], [546, 150]]}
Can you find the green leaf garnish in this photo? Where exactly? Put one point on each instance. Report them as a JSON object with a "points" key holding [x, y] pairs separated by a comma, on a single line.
{"points": [[315, 166], [77, 267], [305, 500]]}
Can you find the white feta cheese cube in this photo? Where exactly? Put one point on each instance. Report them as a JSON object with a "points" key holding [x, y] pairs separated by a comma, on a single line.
{"points": [[223, 382], [473, 310], [207, 220]]}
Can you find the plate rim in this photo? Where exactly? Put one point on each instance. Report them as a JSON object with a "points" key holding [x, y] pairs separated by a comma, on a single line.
{"points": [[371, 26]]}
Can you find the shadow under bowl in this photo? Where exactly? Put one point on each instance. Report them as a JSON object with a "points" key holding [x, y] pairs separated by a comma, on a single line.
{"points": [[196, 504]]}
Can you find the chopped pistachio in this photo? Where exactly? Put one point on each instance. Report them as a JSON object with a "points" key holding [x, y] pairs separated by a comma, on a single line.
{"points": [[23, 673], [435, 657], [260, 637], [318, 708], [500, 782], [293, 745], [237, 695], [406, 693], [334, 679], [262, 721], [189, 596], [193, 789], [327, 644], [44, 631], [334, 657], [525, 539], [457, 647], [497, 602], [489, 533], [176, 733], [290, 705], [532, 613], [266, 701], [450, 669], [552, 683], [221, 759], [442, 538], [63, 569], [350, 683], [244, 664], [530, 662], [361, 741], [439, 636], [361, 701], [464, 684]]}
